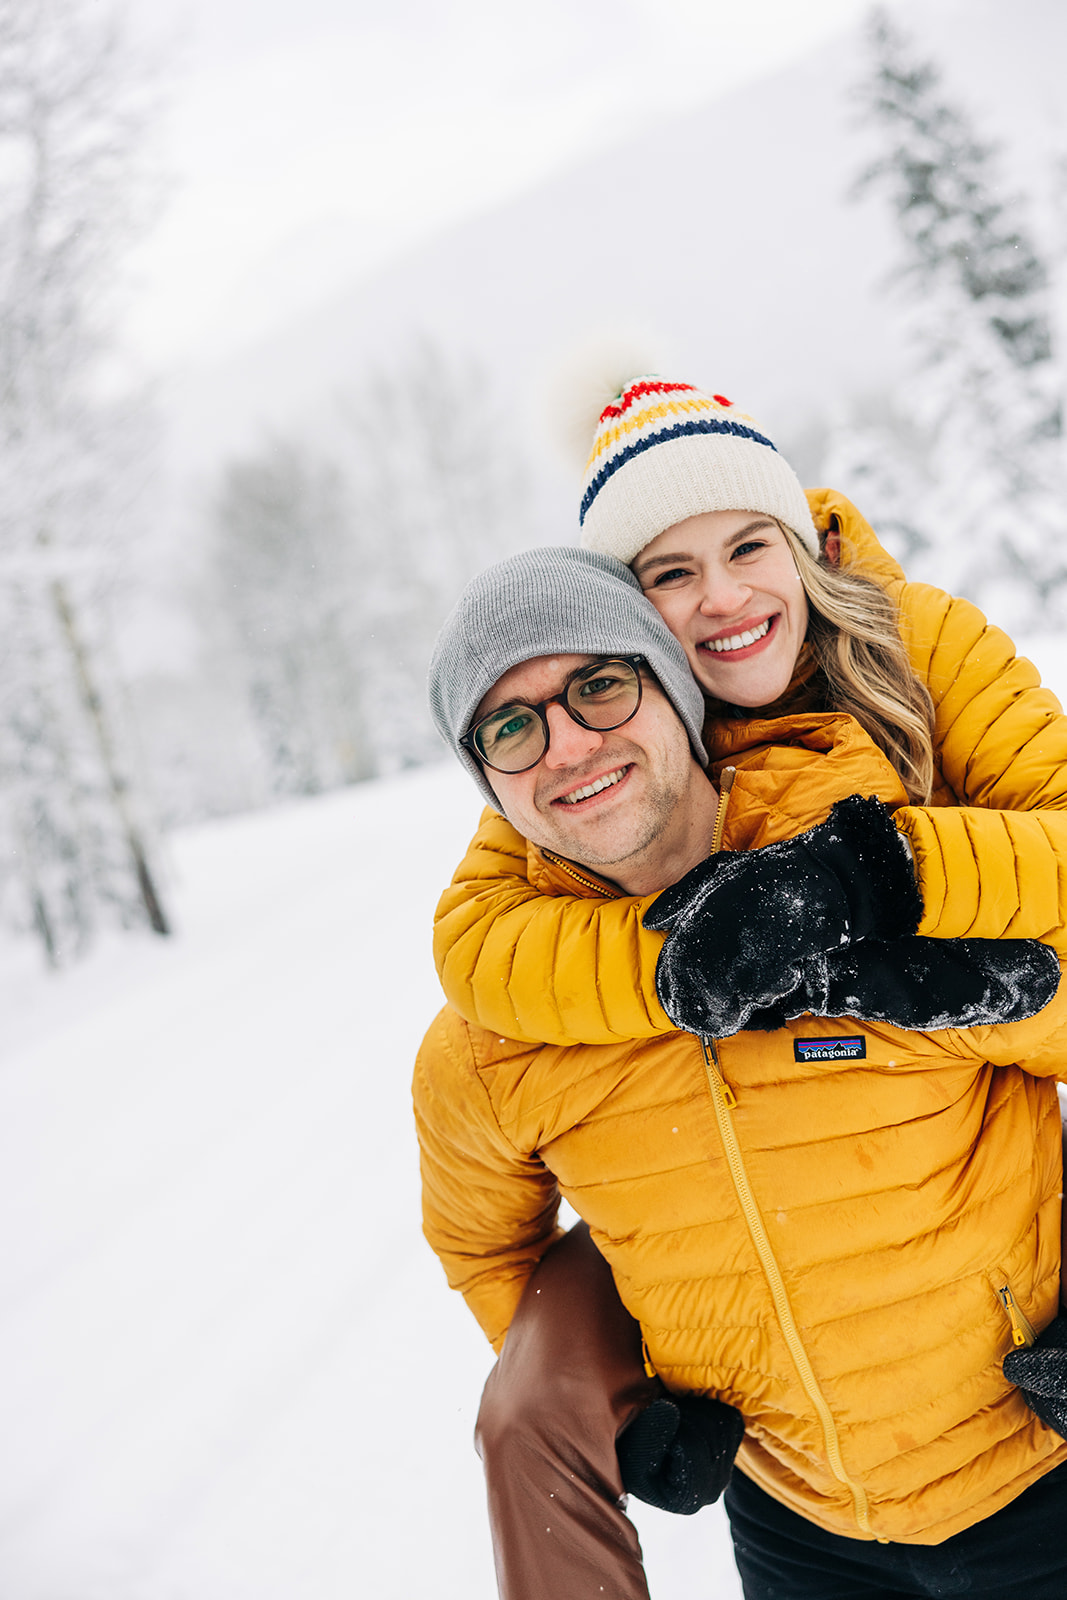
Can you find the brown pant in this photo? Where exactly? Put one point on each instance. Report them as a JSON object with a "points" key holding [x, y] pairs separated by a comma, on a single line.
{"points": [[569, 1379]]}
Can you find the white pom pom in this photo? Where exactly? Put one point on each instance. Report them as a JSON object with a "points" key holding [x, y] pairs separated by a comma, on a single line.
{"points": [[590, 378]]}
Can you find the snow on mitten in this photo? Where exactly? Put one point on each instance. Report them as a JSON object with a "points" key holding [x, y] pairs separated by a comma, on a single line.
{"points": [[679, 1452], [739, 924], [922, 984]]}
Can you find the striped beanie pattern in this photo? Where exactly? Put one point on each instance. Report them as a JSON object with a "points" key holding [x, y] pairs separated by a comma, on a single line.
{"points": [[666, 451]]}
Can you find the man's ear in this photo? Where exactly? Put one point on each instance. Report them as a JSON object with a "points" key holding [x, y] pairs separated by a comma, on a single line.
{"points": [[831, 544]]}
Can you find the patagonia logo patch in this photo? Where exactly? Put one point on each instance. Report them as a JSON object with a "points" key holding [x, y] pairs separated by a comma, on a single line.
{"points": [[851, 1048]]}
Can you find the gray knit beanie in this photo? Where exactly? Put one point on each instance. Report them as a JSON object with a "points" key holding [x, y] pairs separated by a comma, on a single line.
{"points": [[556, 600]]}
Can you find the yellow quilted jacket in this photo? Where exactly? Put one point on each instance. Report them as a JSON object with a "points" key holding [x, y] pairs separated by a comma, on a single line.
{"points": [[991, 853], [839, 1227]]}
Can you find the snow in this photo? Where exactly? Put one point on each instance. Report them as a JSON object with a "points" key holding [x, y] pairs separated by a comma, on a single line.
{"points": [[229, 1364]]}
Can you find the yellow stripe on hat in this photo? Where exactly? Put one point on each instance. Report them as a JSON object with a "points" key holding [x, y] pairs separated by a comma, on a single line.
{"points": [[657, 412]]}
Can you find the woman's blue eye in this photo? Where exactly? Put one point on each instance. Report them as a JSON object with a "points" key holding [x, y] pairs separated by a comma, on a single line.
{"points": [[668, 577], [748, 547]]}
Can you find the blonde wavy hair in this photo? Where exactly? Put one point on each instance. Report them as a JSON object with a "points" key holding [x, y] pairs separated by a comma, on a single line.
{"points": [[854, 635]]}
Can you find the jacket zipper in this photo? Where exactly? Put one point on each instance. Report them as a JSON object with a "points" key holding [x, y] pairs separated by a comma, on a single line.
{"points": [[587, 883], [1022, 1329], [720, 1089], [724, 1099], [726, 783]]}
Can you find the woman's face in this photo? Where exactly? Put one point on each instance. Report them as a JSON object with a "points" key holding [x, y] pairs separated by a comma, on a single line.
{"points": [[726, 585]]}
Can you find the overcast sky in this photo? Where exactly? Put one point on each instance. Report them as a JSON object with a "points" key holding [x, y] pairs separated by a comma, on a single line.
{"points": [[308, 140]]}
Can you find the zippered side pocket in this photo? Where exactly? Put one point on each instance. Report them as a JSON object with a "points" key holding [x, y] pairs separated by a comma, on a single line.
{"points": [[1023, 1332]]}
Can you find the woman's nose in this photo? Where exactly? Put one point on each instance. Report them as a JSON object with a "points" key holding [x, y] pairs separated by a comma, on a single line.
{"points": [[568, 741], [723, 594]]}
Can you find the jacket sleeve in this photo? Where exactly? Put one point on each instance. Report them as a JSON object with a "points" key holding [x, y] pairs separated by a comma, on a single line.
{"points": [[549, 969], [489, 1210], [993, 864]]}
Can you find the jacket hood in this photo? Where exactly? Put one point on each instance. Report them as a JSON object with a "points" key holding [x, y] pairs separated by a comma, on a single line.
{"points": [[860, 546]]}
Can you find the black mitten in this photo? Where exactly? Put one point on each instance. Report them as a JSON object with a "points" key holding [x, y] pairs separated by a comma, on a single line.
{"points": [[739, 925], [678, 1453], [1041, 1373], [922, 983]]}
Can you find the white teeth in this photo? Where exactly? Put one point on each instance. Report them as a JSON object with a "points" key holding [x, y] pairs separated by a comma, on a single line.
{"points": [[737, 641], [593, 788]]}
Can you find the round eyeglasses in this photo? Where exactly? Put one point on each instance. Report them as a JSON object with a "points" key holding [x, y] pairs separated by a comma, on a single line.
{"points": [[602, 695]]}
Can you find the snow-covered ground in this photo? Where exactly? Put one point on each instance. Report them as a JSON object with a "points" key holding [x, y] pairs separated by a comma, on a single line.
{"points": [[230, 1368]]}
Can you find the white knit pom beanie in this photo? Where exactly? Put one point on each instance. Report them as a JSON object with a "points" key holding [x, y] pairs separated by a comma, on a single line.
{"points": [[666, 451]]}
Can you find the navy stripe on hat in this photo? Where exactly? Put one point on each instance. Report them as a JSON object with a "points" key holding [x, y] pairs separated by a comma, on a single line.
{"points": [[678, 431]]}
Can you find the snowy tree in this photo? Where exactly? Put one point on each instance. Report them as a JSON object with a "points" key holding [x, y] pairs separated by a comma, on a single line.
{"points": [[336, 579], [286, 560], [72, 116], [963, 468], [437, 490]]}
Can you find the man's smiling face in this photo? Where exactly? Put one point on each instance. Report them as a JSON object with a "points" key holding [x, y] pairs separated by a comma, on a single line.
{"points": [[629, 803]]}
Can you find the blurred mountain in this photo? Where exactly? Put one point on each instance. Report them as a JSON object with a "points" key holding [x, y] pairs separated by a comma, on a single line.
{"points": [[725, 238], [720, 241]]}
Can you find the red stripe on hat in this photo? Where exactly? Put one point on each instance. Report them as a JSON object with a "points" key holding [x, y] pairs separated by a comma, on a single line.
{"points": [[637, 391]]}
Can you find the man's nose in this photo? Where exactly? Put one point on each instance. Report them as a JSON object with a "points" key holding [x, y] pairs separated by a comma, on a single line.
{"points": [[568, 741]]}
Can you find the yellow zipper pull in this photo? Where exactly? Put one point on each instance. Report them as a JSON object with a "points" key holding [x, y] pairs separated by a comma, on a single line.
{"points": [[1019, 1324], [650, 1371], [715, 1077]]}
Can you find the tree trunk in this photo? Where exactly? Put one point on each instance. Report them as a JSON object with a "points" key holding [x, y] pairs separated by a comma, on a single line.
{"points": [[116, 784]]}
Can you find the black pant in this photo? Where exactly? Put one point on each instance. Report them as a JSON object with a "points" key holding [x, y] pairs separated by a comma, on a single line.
{"points": [[1019, 1553]]}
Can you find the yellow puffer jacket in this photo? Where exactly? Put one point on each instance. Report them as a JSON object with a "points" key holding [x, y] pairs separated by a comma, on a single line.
{"points": [[991, 854], [840, 1228]]}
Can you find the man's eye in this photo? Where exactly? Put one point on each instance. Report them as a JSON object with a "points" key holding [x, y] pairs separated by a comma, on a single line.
{"points": [[603, 686], [511, 728], [598, 686]]}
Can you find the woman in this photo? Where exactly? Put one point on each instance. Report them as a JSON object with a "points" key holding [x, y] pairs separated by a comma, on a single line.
{"points": [[771, 624]]}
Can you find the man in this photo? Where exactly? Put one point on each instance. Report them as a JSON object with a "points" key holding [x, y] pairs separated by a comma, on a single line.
{"points": [[838, 1230]]}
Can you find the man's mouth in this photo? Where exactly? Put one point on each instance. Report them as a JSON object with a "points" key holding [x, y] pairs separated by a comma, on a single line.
{"points": [[588, 790], [738, 641]]}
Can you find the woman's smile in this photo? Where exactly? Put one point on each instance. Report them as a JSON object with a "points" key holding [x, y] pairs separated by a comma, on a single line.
{"points": [[727, 586], [742, 642]]}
